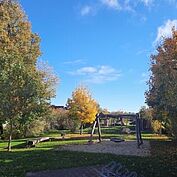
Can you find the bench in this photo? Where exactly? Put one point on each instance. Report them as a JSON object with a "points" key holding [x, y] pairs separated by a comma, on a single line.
{"points": [[32, 143]]}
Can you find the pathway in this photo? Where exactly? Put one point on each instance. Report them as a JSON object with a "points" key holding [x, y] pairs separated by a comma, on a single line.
{"points": [[72, 172]]}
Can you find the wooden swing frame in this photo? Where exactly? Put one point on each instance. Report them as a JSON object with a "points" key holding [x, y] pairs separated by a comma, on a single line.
{"points": [[135, 117]]}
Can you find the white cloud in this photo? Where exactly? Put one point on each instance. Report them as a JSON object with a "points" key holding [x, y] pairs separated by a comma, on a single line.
{"points": [[123, 5], [74, 62], [165, 30], [147, 2], [112, 4], [86, 70], [128, 7], [99, 74], [86, 10]]}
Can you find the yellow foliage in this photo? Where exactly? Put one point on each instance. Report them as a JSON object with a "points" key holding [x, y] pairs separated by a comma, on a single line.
{"points": [[85, 106], [156, 126]]}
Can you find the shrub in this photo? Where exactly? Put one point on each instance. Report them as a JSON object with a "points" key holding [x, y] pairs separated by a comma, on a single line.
{"points": [[36, 127], [156, 126]]}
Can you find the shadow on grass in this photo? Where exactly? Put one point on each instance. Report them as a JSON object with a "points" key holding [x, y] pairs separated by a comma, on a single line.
{"points": [[162, 163], [17, 163]]}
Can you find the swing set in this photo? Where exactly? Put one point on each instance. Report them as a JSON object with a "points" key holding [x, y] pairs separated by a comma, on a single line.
{"points": [[135, 117]]}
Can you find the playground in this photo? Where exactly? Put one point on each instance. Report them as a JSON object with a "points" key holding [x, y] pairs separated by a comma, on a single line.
{"points": [[122, 139], [154, 157], [114, 145], [88, 88]]}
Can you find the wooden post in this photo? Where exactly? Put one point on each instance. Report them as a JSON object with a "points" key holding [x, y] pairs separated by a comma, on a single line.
{"points": [[141, 140], [93, 129], [107, 122], [137, 130], [140, 128], [99, 128], [81, 129], [121, 119]]}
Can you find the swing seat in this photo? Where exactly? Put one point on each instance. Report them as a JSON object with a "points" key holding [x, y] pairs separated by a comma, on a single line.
{"points": [[116, 140]]}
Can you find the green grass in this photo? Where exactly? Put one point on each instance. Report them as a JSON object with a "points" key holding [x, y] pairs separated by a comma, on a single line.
{"points": [[107, 132], [162, 163]]}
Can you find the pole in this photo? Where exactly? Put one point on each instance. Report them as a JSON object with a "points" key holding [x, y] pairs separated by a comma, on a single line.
{"points": [[99, 128], [137, 131], [93, 129]]}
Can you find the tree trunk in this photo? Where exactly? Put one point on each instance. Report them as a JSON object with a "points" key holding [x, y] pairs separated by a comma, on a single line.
{"points": [[107, 122], [1, 129], [25, 130], [122, 122], [10, 137], [81, 129]]}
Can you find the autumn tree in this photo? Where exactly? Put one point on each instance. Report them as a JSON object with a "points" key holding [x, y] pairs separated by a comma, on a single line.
{"points": [[25, 89], [162, 93], [82, 106], [15, 33]]}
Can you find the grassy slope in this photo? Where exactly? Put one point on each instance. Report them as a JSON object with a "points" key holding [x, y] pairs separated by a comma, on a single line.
{"points": [[163, 161]]}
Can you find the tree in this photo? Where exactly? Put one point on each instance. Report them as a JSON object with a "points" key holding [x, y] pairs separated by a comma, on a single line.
{"points": [[104, 110], [162, 93], [25, 89], [59, 118], [82, 106], [146, 113], [15, 33], [156, 126]]}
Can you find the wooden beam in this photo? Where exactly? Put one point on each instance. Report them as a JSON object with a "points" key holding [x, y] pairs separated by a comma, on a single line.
{"points": [[32, 143], [140, 128], [99, 128], [93, 129], [102, 116], [137, 132]]}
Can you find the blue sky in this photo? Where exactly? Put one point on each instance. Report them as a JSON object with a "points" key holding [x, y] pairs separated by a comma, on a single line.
{"points": [[103, 44]]}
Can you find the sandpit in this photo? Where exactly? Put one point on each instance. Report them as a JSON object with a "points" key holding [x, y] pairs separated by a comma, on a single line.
{"points": [[107, 146]]}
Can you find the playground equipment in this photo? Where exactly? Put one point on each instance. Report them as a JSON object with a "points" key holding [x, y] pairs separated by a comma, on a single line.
{"points": [[134, 117]]}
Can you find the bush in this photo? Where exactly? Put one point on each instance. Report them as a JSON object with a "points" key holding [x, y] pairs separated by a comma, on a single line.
{"points": [[35, 128], [16, 133], [59, 119], [156, 126]]}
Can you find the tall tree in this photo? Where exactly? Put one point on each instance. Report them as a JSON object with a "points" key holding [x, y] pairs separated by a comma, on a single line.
{"points": [[15, 32], [162, 93], [25, 89], [82, 106]]}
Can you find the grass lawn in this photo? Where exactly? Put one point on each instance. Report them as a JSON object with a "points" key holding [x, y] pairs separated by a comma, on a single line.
{"points": [[162, 163]]}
